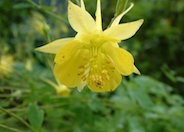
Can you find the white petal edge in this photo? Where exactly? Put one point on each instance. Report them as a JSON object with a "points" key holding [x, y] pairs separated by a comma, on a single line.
{"points": [[124, 31], [54, 46], [119, 17], [79, 19]]}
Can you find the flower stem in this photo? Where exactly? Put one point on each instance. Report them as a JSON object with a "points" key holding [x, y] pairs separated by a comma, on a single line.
{"points": [[120, 7], [10, 128], [18, 118], [46, 11], [78, 3]]}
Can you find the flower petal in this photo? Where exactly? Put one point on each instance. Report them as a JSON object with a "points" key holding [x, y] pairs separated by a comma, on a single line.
{"points": [[122, 59], [66, 52], [124, 31], [98, 16], [118, 18], [54, 46], [80, 20], [70, 71], [111, 85], [105, 78]]}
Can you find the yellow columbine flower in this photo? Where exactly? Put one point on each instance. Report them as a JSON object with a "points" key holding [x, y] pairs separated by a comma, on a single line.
{"points": [[93, 57], [6, 65]]}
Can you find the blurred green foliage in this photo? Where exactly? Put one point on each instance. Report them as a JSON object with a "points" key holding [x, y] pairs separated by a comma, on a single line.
{"points": [[152, 102]]}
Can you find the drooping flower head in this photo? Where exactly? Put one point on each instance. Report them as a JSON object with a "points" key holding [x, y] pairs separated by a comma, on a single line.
{"points": [[93, 57]]}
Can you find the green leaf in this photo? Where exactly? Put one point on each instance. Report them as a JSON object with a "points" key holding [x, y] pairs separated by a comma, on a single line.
{"points": [[135, 125], [21, 6], [139, 95], [180, 79], [35, 116]]}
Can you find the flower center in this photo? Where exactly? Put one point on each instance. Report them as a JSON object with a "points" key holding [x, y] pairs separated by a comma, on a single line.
{"points": [[98, 67]]}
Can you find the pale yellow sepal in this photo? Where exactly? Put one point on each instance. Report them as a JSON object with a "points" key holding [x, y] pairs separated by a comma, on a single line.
{"points": [[124, 31], [118, 18], [82, 5], [80, 20], [98, 16], [54, 46]]}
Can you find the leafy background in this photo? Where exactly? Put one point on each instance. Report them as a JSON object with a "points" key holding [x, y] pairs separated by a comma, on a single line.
{"points": [[152, 102]]}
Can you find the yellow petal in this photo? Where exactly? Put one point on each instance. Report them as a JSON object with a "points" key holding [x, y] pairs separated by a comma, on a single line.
{"points": [[105, 78], [80, 20], [136, 70], [54, 46], [82, 5], [70, 69], [66, 52], [118, 18], [111, 85], [98, 16], [122, 59], [124, 31]]}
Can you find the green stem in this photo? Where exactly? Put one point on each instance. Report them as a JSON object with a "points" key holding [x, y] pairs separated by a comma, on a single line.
{"points": [[33, 4], [48, 37], [46, 11], [10, 128], [78, 3], [46, 107], [18, 118], [120, 7], [40, 2]]}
